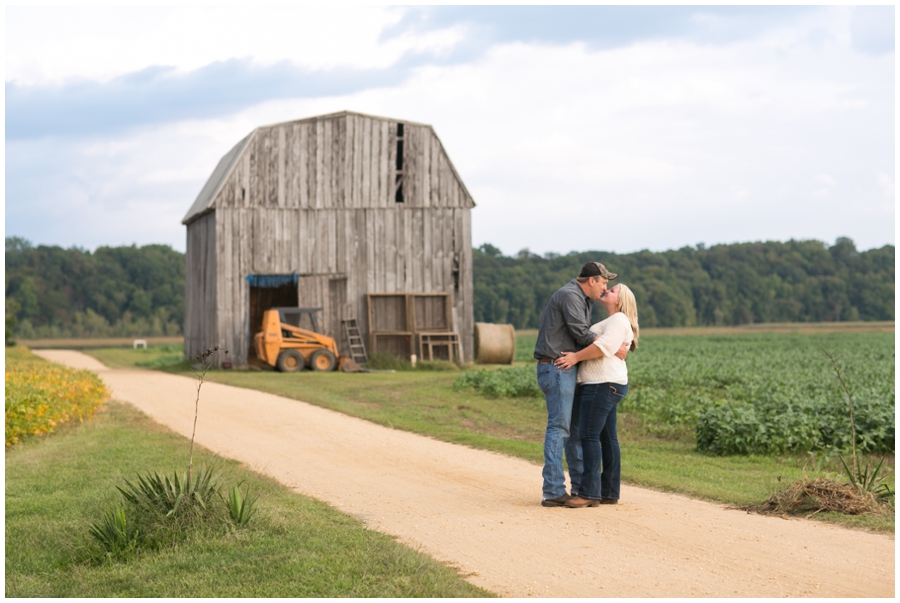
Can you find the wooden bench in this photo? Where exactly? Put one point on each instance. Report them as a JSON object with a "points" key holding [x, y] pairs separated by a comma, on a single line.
{"points": [[443, 339]]}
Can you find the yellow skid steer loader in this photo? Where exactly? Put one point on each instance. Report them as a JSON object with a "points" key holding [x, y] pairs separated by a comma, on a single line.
{"points": [[289, 348]]}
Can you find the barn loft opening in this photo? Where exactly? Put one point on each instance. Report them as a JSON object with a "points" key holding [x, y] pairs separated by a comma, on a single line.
{"points": [[399, 147], [398, 181]]}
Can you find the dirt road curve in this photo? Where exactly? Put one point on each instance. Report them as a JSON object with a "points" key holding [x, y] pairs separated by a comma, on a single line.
{"points": [[480, 511]]}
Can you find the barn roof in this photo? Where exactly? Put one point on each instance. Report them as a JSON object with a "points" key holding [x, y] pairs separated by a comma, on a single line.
{"points": [[203, 203], [216, 180]]}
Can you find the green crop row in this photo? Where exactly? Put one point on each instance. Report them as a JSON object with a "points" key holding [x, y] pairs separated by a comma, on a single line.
{"points": [[41, 395], [751, 393], [516, 382], [768, 392]]}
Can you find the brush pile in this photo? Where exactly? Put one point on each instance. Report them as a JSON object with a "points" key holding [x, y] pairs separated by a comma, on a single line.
{"points": [[808, 497]]}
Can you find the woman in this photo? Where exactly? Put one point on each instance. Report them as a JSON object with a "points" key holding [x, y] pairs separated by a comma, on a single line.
{"points": [[603, 381]]}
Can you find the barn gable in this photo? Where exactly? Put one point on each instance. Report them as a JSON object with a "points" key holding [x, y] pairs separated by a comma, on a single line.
{"points": [[343, 160]]}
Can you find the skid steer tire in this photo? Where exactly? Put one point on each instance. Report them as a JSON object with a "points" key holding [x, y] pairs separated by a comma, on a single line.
{"points": [[290, 361], [322, 360]]}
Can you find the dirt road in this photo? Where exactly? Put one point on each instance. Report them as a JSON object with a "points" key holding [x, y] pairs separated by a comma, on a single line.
{"points": [[480, 511]]}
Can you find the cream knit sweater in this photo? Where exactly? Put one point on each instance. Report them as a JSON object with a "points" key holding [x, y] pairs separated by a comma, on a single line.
{"points": [[613, 331]]}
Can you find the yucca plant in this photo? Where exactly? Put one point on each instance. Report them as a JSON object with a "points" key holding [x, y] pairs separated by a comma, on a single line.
{"points": [[864, 481], [161, 495], [240, 506], [114, 533]]}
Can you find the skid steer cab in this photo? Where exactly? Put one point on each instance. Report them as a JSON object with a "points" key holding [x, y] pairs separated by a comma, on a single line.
{"points": [[289, 348]]}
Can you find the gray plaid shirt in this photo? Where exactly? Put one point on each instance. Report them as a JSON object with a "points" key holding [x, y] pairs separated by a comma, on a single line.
{"points": [[565, 323]]}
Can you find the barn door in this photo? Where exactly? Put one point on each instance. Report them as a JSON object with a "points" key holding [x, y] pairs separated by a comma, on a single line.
{"points": [[269, 291], [337, 299], [328, 292]]}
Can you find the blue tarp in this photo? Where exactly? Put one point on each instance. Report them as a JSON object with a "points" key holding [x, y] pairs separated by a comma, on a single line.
{"points": [[271, 280]]}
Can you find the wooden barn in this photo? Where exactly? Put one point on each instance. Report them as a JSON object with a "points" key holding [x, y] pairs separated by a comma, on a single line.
{"points": [[362, 216]]}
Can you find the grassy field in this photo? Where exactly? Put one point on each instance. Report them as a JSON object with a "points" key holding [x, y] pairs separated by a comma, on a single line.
{"points": [[79, 344], [886, 326], [424, 402], [295, 547]]}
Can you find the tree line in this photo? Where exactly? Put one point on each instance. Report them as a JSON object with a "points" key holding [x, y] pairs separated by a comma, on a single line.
{"points": [[139, 291], [734, 284], [114, 291]]}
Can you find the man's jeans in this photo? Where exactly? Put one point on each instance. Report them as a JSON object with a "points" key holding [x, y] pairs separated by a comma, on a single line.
{"points": [[600, 442], [562, 429]]}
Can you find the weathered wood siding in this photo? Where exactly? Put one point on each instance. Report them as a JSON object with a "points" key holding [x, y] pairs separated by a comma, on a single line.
{"points": [[317, 197], [200, 286]]}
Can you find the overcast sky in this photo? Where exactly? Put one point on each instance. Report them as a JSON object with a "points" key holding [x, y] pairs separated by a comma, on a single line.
{"points": [[574, 128]]}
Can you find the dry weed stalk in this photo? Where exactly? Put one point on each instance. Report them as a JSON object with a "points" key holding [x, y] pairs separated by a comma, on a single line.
{"points": [[837, 369], [205, 365], [864, 480]]}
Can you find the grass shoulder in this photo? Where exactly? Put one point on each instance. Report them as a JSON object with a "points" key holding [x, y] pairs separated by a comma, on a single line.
{"points": [[294, 547]]}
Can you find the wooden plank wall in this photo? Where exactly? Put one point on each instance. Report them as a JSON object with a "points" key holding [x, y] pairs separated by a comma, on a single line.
{"points": [[200, 287], [316, 197], [389, 313], [431, 313], [326, 291]]}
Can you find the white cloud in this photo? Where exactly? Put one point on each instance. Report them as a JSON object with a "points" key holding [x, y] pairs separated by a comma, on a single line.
{"points": [[824, 185], [99, 43]]}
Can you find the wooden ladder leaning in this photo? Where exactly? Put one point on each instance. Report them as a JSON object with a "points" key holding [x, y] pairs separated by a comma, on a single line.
{"points": [[354, 341]]}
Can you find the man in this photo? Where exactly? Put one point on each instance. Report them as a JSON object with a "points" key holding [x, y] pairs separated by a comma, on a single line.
{"points": [[565, 327]]}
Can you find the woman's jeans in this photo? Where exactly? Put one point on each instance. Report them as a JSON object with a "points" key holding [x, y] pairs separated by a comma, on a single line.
{"points": [[599, 441]]}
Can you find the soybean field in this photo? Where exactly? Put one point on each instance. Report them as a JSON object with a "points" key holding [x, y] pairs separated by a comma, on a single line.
{"points": [[749, 393]]}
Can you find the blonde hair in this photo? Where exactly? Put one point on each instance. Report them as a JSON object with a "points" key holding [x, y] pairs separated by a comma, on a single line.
{"points": [[628, 306]]}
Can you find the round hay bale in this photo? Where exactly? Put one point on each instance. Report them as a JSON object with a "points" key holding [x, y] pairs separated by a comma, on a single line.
{"points": [[494, 344]]}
